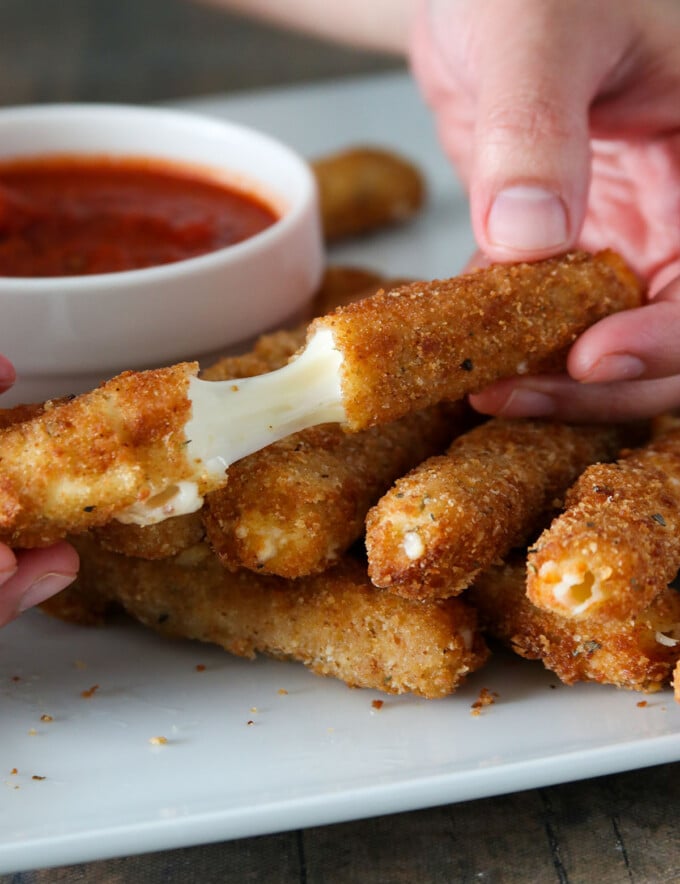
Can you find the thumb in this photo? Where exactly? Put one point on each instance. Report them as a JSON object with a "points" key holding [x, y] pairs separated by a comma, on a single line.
{"points": [[537, 75]]}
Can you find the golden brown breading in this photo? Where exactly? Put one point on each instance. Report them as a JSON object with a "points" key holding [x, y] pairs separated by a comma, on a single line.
{"points": [[617, 544], [456, 514], [128, 443], [269, 352], [417, 345], [336, 623], [157, 541], [79, 462], [366, 188], [26, 412], [296, 506], [168, 537], [637, 653]]}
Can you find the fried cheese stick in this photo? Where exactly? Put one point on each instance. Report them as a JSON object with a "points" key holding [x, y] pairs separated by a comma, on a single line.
{"points": [[296, 506], [366, 188], [269, 352], [169, 536], [336, 623], [456, 514], [82, 462], [149, 445], [616, 546], [638, 652], [423, 343]]}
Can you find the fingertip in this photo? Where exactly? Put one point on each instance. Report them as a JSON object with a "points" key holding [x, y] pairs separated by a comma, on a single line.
{"points": [[8, 374], [479, 261], [64, 557], [8, 563], [42, 589], [38, 575], [513, 401]]}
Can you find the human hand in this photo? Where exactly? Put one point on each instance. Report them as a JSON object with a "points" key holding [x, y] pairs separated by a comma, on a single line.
{"points": [[563, 119], [28, 577]]}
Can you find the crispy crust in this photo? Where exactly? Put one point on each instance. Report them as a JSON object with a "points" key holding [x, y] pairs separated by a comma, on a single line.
{"points": [[269, 352], [77, 463], [626, 653], [409, 348], [337, 624], [617, 544], [456, 514], [159, 541], [296, 506], [81, 463]]}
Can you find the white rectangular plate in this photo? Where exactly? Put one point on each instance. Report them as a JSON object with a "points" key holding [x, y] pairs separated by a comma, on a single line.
{"points": [[257, 747]]}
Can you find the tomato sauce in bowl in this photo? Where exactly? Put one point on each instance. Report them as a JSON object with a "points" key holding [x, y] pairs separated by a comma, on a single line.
{"points": [[74, 216]]}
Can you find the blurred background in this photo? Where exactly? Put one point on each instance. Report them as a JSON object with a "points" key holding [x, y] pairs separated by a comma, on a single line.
{"points": [[155, 50]]}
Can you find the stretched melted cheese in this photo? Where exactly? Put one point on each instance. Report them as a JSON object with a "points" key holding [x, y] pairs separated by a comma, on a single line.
{"points": [[231, 419]]}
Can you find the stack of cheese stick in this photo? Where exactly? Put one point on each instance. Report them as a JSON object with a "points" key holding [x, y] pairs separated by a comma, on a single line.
{"points": [[292, 509], [269, 562]]}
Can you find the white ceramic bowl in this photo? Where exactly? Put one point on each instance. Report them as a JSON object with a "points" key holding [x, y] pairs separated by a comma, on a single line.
{"points": [[66, 334]]}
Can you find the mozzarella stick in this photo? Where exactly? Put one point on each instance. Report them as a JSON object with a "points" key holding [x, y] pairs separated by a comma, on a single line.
{"points": [[638, 652], [422, 343], [149, 445], [364, 189], [269, 352], [159, 539], [336, 623], [617, 544], [456, 514], [296, 506], [78, 463]]}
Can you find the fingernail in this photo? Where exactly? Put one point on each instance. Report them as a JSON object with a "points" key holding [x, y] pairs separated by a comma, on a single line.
{"points": [[527, 403], [528, 219], [43, 589], [615, 367]]}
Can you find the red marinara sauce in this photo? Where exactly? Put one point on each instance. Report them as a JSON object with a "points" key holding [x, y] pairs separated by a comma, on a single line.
{"points": [[71, 216]]}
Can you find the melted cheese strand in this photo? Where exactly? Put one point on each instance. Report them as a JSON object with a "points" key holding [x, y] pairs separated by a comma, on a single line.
{"points": [[231, 419]]}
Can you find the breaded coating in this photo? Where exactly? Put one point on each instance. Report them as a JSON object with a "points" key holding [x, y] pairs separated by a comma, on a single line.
{"points": [[80, 462], [166, 538], [25, 412], [269, 352], [456, 514], [295, 507], [336, 623], [637, 653], [159, 541], [426, 342], [120, 450], [617, 544], [364, 189]]}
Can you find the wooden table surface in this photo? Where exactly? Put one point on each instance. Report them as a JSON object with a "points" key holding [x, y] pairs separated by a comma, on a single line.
{"points": [[610, 830]]}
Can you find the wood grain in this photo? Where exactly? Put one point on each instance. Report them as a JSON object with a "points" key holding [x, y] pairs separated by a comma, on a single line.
{"points": [[619, 829]]}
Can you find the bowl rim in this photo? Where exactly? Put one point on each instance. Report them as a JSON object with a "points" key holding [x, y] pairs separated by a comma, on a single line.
{"points": [[82, 284]]}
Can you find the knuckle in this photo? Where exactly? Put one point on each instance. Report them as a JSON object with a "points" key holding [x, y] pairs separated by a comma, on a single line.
{"points": [[528, 117]]}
